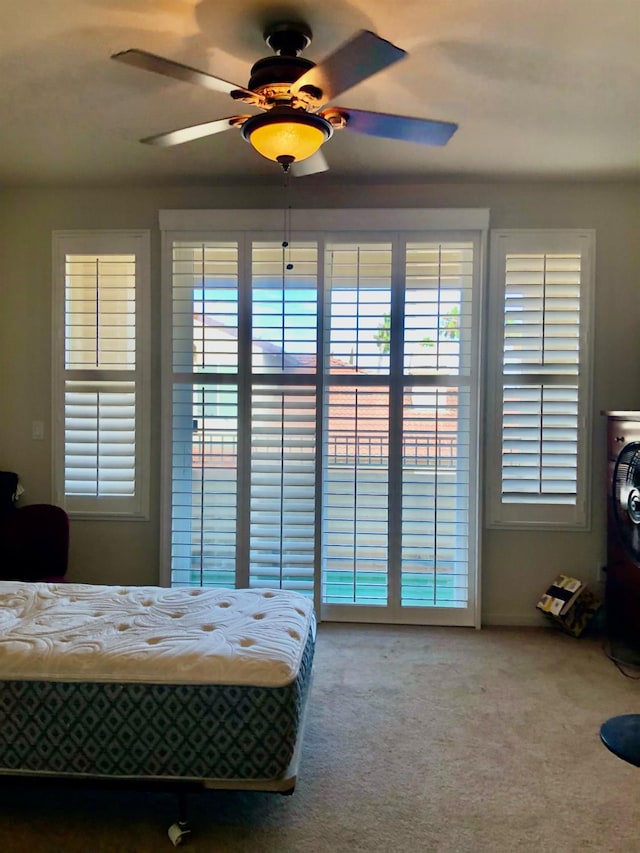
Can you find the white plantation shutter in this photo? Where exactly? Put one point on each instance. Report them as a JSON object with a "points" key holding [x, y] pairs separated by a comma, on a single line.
{"points": [[540, 438], [542, 282], [356, 505], [100, 439], [321, 401], [100, 369], [284, 311], [204, 493], [396, 491], [204, 413], [244, 517], [438, 375], [205, 307], [355, 554], [283, 488], [436, 522], [282, 429], [100, 311]]}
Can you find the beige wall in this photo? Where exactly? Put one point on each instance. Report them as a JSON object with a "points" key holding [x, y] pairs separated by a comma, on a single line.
{"points": [[516, 565]]}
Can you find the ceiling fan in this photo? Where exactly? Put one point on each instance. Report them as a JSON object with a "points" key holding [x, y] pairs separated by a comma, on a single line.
{"points": [[291, 92]]}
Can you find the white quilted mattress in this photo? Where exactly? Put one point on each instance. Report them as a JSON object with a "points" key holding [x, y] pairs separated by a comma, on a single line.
{"points": [[81, 632]]}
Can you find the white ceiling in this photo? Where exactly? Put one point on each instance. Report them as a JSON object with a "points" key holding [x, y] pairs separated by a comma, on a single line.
{"points": [[540, 88]]}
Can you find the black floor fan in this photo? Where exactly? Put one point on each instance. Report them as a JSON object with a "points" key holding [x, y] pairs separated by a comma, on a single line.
{"points": [[622, 597]]}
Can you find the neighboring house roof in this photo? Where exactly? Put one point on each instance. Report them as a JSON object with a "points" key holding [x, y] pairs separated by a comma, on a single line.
{"points": [[372, 412]]}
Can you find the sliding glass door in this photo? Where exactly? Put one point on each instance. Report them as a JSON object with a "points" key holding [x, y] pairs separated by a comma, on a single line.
{"points": [[322, 424]]}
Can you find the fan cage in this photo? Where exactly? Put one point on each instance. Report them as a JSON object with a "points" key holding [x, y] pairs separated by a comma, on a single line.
{"points": [[625, 498]]}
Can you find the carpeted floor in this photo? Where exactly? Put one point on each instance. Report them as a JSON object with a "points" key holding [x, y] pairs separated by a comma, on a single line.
{"points": [[418, 739]]}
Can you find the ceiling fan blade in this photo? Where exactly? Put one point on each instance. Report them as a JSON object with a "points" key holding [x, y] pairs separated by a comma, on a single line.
{"points": [[311, 166], [160, 65], [405, 128], [196, 131], [359, 58]]}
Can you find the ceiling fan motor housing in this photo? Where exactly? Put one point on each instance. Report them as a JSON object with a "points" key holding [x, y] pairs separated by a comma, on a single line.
{"points": [[287, 40], [276, 70]]}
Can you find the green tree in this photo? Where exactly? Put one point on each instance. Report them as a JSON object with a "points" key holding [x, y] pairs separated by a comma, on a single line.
{"points": [[383, 336], [449, 329]]}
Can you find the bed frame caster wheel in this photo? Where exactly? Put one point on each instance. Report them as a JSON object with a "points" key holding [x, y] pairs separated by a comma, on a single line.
{"points": [[179, 832]]}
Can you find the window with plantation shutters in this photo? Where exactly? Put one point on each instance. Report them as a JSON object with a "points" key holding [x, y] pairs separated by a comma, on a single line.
{"points": [[321, 400], [100, 372], [542, 285]]}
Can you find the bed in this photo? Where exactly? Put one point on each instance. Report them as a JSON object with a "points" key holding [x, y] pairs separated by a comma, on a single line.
{"points": [[145, 683]]}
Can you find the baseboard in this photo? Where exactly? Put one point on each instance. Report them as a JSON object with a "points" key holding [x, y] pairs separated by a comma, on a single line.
{"points": [[526, 619]]}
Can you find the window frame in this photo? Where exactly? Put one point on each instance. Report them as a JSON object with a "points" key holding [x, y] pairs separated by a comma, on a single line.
{"points": [[532, 515], [330, 224], [103, 242]]}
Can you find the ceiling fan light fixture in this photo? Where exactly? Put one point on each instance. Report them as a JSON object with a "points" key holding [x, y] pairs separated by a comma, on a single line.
{"points": [[286, 134]]}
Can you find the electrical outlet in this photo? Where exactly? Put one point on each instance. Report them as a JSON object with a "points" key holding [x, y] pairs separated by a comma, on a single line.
{"points": [[37, 430]]}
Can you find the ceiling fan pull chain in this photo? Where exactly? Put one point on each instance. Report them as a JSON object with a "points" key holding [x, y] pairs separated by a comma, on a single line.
{"points": [[286, 236]]}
